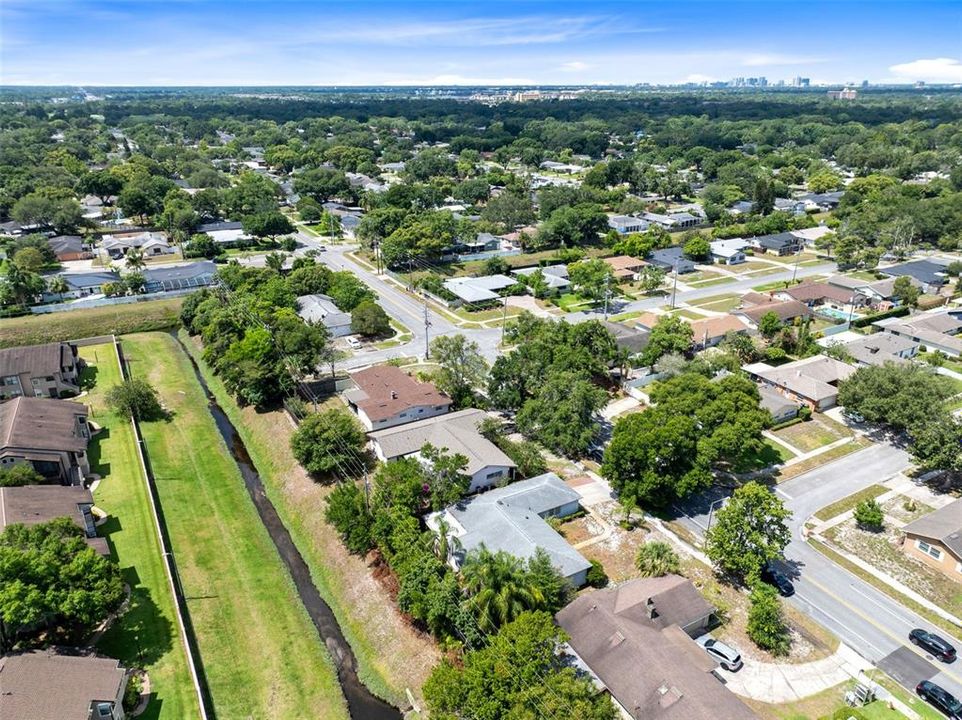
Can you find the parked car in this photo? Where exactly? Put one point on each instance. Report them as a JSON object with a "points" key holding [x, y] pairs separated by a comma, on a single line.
{"points": [[940, 698], [354, 343], [779, 579], [321, 248], [932, 643], [725, 655], [852, 416]]}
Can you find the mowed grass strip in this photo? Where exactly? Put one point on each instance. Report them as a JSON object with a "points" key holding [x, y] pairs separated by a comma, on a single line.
{"points": [[261, 653], [147, 635], [90, 322]]}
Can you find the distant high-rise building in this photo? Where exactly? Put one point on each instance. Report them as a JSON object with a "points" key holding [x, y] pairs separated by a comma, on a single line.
{"points": [[864, 84], [800, 82]]}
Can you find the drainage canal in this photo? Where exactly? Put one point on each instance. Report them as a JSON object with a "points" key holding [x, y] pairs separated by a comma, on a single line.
{"points": [[361, 703]]}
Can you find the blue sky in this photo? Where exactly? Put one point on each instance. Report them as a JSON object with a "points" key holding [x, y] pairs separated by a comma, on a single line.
{"points": [[247, 42]]}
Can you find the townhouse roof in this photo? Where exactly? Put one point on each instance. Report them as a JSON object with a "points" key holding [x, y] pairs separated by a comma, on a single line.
{"points": [[815, 378], [42, 424], [35, 504], [384, 391], [457, 431], [654, 670], [512, 519], [943, 525], [47, 359], [50, 686]]}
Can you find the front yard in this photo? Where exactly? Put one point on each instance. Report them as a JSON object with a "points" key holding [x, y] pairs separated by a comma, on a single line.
{"points": [[810, 435], [147, 635]]}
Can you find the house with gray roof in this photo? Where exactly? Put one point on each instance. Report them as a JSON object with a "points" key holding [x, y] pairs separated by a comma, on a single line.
{"points": [[555, 276], [782, 409], [729, 252], [478, 289], [930, 274], [812, 381], [36, 504], [626, 224], [51, 370], [514, 519], [321, 309], [936, 331], [80, 285], [49, 435], [457, 432], [69, 247], [672, 259], [44, 685], [881, 348], [936, 540], [636, 641], [179, 277]]}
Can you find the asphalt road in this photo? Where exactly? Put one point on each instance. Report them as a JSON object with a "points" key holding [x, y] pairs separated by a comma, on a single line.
{"points": [[866, 619]]}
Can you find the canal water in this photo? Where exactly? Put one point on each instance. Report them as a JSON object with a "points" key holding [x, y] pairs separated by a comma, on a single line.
{"points": [[362, 705]]}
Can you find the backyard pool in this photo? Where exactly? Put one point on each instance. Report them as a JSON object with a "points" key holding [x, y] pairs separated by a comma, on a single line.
{"points": [[835, 313]]}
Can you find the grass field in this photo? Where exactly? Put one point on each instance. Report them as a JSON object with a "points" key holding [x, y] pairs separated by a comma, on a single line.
{"points": [[75, 324], [721, 303], [849, 502], [147, 634], [392, 656], [261, 653]]}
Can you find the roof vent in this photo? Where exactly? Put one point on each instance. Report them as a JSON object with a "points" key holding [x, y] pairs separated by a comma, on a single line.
{"points": [[394, 394]]}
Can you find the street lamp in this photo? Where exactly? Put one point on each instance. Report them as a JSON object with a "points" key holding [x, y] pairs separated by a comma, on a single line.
{"points": [[711, 512], [851, 307]]}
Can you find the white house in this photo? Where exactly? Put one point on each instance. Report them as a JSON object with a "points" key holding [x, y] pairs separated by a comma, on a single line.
{"points": [[729, 252]]}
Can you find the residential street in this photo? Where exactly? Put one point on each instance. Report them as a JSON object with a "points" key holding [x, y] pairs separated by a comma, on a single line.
{"points": [[867, 619]]}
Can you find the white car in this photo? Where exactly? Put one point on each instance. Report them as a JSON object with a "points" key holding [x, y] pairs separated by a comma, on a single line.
{"points": [[354, 343], [725, 655]]}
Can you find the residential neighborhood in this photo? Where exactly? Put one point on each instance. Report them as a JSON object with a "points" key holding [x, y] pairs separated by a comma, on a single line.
{"points": [[577, 400]]}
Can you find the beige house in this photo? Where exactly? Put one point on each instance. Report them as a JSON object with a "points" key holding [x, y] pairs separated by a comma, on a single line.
{"points": [[936, 540], [51, 371], [50, 435]]}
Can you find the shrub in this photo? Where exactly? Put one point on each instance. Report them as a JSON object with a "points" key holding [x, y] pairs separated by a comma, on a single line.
{"points": [[330, 441], [132, 692], [597, 577], [19, 475], [805, 412], [656, 558], [135, 398], [766, 625], [868, 515]]}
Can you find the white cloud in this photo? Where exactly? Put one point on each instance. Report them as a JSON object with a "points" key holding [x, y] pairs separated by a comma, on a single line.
{"points": [[574, 66], [939, 70]]}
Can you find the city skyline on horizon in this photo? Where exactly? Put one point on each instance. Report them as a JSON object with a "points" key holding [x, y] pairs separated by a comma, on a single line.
{"points": [[528, 43]]}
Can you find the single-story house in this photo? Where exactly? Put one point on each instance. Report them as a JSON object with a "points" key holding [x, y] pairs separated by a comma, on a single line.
{"points": [[81, 285], [49, 370], [784, 243], [781, 408], [742, 207], [729, 252], [626, 224], [812, 381], [625, 267], [555, 276], [478, 289], [878, 293], [179, 277], [808, 236], [821, 201], [937, 331], [632, 640], [385, 396], [786, 311], [321, 309], [50, 435], [514, 519], [458, 432], [69, 247], [708, 332], [936, 540], [560, 167], [633, 339], [880, 348], [43, 685], [672, 259], [796, 207], [930, 274], [819, 293], [152, 244], [685, 219], [35, 504], [226, 233]]}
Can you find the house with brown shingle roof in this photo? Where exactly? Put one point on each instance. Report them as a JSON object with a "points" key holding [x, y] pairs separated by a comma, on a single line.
{"points": [[786, 311], [632, 639], [813, 381], [818, 293], [385, 396], [625, 267], [36, 504], [708, 332], [51, 686], [50, 435], [51, 370]]}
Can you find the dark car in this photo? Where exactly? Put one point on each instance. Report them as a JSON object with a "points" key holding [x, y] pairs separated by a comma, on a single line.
{"points": [[779, 580], [940, 698], [932, 643]]}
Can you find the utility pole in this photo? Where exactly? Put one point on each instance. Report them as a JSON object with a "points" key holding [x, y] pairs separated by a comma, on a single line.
{"points": [[798, 256], [674, 286], [607, 294], [504, 317], [427, 341]]}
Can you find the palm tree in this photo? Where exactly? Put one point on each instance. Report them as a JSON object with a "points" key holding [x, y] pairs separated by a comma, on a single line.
{"points": [[135, 259], [57, 284], [656, 558], [444, 542], [498, 588], [275, 261]]}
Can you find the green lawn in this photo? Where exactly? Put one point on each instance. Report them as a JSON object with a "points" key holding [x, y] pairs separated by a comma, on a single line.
{"points": [[849, 502], [811, 435], [261, 653], [721, 303], [146, 635], [686, 313], [772, 453]]}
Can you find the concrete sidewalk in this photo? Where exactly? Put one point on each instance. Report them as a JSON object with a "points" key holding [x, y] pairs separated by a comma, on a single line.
{"points": [[778, 683]]}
